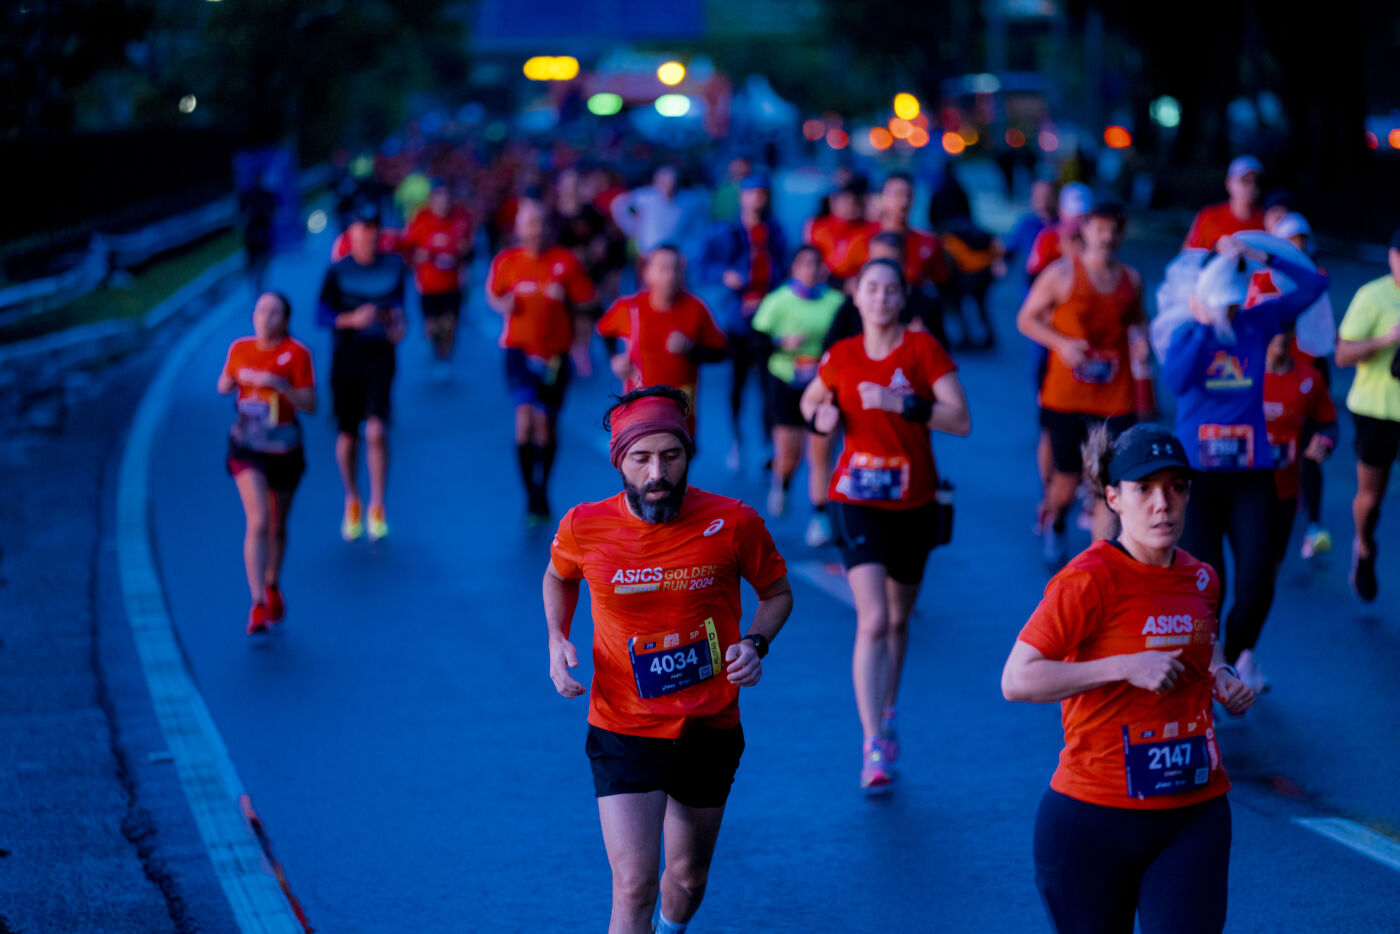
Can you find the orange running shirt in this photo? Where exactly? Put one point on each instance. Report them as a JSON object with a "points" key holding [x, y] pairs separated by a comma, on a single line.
{"points": [[886, 460], [539, 325], [1217, 221], [1290, 400], [1103, 384], [289, 359], [923, 255], [659, 579], [389, 242], [843, 244], [1106, 603], [444, 240], [645, 329]]}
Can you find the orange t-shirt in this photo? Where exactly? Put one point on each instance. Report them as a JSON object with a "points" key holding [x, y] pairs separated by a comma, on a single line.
{"points": [[664, 579], [886, 460], [1217, 221], [289, 359], [923, 255], [1290, 400], [1106, 603], [389, 242], [1103, 384], [444, 240], [646, 330], [539, 325], [843, 244]]}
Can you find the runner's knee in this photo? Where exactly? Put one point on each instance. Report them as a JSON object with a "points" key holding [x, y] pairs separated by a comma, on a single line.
{"points": [[374, 431]]}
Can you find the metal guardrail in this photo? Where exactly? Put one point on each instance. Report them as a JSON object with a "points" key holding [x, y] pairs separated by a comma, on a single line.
{"points": [[109, 252]]}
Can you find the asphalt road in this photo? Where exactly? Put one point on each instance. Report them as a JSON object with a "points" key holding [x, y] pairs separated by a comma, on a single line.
{"points": [[416, 771]]}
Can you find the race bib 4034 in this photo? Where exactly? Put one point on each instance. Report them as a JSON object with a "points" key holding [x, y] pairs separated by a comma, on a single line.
{"points": [[666, 662]]}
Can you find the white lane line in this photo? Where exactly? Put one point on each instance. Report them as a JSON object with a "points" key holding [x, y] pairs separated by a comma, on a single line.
{"points": [[206, 772], [1355, 837], [820, 576]]}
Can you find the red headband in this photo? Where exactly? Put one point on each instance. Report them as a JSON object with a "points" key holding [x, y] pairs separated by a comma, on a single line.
{"points": [[646, 416]]}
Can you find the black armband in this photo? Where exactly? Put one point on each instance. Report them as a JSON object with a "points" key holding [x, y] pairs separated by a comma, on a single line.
{"points": [[760, 642], [917, 409], [812, 426]]}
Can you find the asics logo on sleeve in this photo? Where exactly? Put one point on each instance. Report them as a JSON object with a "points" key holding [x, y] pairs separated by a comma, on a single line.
{"points": [[1202, 578], [713, 527]]}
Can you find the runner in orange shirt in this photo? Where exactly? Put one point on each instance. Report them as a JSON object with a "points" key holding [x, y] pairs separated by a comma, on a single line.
{"points": [[271, 378], [842, 237], [924, 262], [1135, 821], [1241, 212], [439, 239], [1087, 311], [668, 331], [888, 387], [663, 561], [537, 288]]}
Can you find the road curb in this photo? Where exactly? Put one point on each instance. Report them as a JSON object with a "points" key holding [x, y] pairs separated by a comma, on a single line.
{"points": [[202, 761]]}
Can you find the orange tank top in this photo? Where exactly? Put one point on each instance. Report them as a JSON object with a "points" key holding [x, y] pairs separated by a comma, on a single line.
{"points": [[1103, 384]]}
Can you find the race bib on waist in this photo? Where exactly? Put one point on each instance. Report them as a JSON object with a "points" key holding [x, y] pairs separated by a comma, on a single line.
{"points": [[1226, 447], [666, 662], [1168, 758], [804, 369], [257, 428], [1099, 368], [872, 477]]}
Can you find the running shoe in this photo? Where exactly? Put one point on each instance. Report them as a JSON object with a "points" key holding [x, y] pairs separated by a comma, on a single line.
{"points": [[276, 609], [257, 620], [875, 774], [818, 530], [889, 736], [777, 502], [378, 524], [1363, 574], [352, 524], [1250, 672], [1316, 541]]}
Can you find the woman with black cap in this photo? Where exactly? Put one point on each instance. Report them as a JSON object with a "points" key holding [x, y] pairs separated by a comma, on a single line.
{"points": [[1135, 821]]}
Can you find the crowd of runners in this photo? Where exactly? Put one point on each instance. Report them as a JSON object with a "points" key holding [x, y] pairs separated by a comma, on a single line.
{"points": [[849, 335]]}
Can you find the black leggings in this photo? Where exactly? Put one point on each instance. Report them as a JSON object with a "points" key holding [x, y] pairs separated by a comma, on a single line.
{"points": [[748, 352], [1285, 512], [1238, 506], [1097, 866]]}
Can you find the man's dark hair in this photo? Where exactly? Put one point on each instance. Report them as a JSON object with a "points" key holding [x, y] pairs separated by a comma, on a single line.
{"points": [[806, 248], [667, 247], [667, 392], [889, 238]]}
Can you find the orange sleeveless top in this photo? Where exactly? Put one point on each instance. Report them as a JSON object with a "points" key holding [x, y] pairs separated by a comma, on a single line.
{"points": [[1103, 384]]}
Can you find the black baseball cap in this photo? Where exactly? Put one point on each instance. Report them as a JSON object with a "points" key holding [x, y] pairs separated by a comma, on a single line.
{"points": [[1142, 451]]}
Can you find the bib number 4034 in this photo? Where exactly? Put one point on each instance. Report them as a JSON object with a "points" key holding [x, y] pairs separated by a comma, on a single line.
{"points": [[673, 661]]}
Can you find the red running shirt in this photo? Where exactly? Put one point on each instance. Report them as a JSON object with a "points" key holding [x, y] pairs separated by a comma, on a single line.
{"points": [[646, 577], [289, 359], [886, 460], [539, 325], [1106, 603], [923, 255], [646, 329], [843, 244], [444, 240], [1217, 221], [1290, 400], [1103, 384], [389, 242]]}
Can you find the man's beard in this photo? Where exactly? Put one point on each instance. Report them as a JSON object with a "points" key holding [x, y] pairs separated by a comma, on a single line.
{"points": [[655, 511]]}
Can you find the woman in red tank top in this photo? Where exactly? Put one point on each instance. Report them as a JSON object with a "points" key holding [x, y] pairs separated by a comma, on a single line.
{"points": [[1087, 310]]}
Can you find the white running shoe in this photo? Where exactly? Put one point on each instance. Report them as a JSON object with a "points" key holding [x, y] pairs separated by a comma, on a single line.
{"points": [[818, 530]]}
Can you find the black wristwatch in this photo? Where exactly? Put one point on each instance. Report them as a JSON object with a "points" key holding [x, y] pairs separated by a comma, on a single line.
{"points": [[760, 642]]}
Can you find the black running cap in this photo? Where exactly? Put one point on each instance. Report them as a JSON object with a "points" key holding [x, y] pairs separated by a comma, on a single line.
{"points": [[1142, 451]]}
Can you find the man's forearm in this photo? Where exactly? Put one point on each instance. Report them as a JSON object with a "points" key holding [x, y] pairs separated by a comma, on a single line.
{"points": [[772, 612], [560, 601]]}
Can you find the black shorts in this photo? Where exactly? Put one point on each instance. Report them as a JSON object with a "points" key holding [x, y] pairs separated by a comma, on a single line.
{"points": [[1377, 441], [283, 471], [1069, 430], [537, 381], [697, 769], [899, 539], [784, 403], [442, 303], [362, 375]]}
